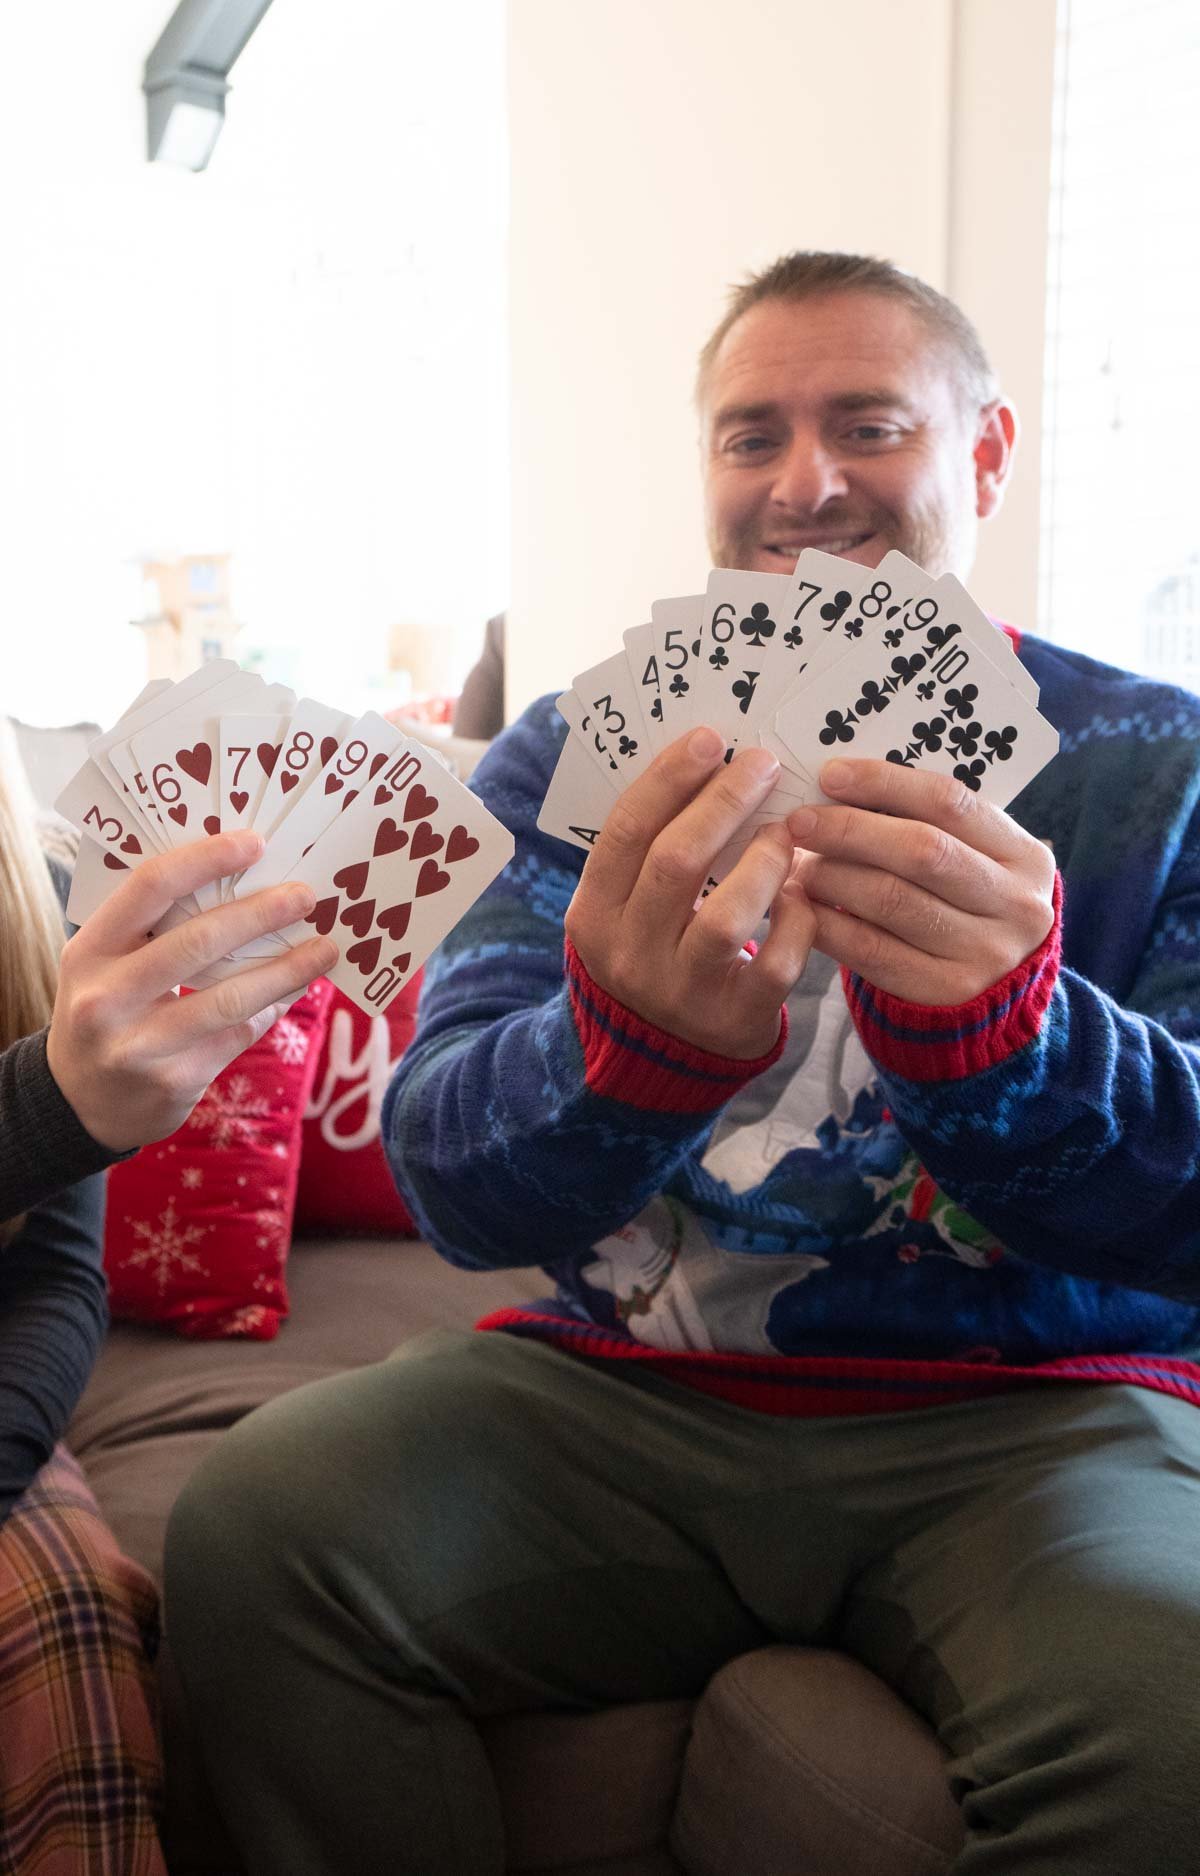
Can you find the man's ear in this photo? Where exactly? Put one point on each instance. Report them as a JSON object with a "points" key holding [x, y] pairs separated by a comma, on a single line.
{"points": [[995, 442]]}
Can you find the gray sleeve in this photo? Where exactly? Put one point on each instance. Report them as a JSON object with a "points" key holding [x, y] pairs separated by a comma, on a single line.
{"points": [[43, 1147]]}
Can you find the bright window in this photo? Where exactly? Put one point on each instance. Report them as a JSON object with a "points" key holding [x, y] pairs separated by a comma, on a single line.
{"points": [[1120, 570]]}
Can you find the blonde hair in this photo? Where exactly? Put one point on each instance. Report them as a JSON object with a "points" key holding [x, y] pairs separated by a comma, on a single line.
{"points": [[31, 927]]}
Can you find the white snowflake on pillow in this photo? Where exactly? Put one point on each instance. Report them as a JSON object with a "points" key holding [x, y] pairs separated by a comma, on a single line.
{"points": [[289, 1039], [191, 1178], [231, 1112], [166, 1246]]}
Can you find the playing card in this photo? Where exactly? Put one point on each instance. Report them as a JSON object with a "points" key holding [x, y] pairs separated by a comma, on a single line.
{"points": [[748, 650], [313, 734], [397, 872], [643, 668], [675, 636], [578, 799], [609, 720], [938, 702], [209, 676]]}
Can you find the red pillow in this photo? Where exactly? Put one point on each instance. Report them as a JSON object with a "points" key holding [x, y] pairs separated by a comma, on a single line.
{"points": [[345, 1182], [198, 1226]]}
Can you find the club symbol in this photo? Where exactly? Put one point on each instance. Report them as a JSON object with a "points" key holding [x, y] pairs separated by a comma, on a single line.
{"points": [[940, 635], [964, 739], [839, 728], [853, 628], [872, 699], [626, 746], [906, 668], [759, 626], [961, 703], [1000, 743], [743, 690], [969, 773], [833, 608], [893, 638], [928, 736], [904, 757], [656, 710], [794, 639], [679, 686], [718, 658], [926, 689]]}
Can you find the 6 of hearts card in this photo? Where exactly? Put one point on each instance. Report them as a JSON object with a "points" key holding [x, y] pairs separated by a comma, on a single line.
{"points": [[395, 848]]}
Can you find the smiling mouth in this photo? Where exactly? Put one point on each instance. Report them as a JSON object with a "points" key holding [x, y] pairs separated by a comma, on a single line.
{"points": [[841, 544]]}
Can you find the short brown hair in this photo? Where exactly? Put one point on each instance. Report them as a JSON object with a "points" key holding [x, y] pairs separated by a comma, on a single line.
{"points": [[807, 274]]}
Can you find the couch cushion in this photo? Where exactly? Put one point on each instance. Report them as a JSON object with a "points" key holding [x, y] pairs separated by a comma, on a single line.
{"points": [[802, 1763], [155, 1405]]}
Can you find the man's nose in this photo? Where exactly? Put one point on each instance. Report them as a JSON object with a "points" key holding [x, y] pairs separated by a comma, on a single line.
{"points": [[808, 475]]}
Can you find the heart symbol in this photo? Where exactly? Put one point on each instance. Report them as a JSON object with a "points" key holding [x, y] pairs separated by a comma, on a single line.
{"points": [[287, 782], [402, 964], [460, 846], [431, 879], [382, 794], [377, 763], [196, 762], [131, 844], [328, 745], [238, 799], [358, 917], [118, 866], [178, 814], [352, 796], [394, 921], [425, 841], [323, 913], [419, 803], [212, 823], [353, 879], [268, 756], [388, 838], [365, 954], [333, 783]]}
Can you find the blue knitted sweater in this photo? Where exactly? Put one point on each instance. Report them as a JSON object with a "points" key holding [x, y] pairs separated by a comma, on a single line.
{"points": [[902, 1204]]}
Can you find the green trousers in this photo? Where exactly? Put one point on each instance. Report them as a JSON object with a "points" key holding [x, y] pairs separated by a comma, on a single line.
{"points": [[481, 1525]]}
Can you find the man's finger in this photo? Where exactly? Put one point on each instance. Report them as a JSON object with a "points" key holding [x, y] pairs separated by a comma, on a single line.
{"points": [[140, 901], [920, 795], [736, 908], [679, 858], [894, 904], [677, 773], [915, 851]]}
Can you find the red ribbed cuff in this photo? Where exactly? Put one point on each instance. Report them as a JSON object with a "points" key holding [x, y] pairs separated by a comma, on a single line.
{"points": [[631, 1060], [949, 1042]]}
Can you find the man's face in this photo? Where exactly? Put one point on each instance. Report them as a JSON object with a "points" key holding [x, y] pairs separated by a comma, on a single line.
{"points": [[837, 423]]}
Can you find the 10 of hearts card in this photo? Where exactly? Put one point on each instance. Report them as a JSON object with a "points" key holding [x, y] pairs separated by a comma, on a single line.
{"points": [[833, 659], [394, 847]]}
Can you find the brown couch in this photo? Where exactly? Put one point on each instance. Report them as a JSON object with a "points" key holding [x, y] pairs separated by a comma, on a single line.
{"points": [[796, 1762]]}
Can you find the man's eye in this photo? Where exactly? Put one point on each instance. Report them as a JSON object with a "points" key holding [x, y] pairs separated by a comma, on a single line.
{"points": [[752, 444], [874, 433]]}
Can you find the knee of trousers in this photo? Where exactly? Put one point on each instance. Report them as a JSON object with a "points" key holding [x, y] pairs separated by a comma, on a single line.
{"points": [[69, 1594], [366, 1464]]}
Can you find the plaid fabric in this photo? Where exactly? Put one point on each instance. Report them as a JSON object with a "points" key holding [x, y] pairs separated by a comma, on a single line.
{"points": [[80, 1771]]}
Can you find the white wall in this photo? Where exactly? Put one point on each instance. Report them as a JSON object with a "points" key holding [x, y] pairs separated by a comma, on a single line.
{"points": [[298, 356], [663, 148], [999, 190]]}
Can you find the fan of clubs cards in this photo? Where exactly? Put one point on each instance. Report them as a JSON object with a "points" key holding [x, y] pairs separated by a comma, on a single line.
{"points": [[833, 659], [393, 846]]}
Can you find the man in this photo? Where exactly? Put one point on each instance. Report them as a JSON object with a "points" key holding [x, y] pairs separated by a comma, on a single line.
{"points": [[967, 1170]]}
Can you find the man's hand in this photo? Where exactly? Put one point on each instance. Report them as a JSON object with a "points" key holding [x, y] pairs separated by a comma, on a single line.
{"points": [[918, 885], [132, 1058], [635, 921]]}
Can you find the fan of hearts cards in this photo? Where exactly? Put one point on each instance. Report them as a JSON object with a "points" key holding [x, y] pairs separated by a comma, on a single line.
{"points": [[393, 846], [831, 659]]}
